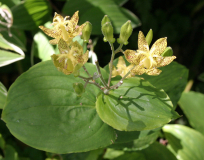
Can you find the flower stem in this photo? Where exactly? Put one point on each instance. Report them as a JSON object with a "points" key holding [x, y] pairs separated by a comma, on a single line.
{"points": [[111, 63], [86, 71], [112, 58], [101, 77]]}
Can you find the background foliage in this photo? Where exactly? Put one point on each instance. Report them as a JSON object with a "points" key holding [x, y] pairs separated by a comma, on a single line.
{"points": [[181, 21]]}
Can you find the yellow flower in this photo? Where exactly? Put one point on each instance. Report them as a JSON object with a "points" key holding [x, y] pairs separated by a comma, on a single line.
{"points": [[63, 28], [148, 60], [122, 69], [71, 62]]}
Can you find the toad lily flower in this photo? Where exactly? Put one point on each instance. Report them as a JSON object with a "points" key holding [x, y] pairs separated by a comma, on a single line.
{"points": [[71, 62], [63, 28], [122, 69], [148, 61]]}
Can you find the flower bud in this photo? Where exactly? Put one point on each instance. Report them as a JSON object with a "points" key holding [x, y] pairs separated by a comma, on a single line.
{"points": [[78, 88], [149, 36], [167, 52], [104, 20], [107, 31], [125, 33], [86, 32]]}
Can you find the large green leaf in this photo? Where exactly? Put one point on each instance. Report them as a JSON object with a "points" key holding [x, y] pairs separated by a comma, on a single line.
{"points": [[8, 57], [135, 106], [43, 111], [192, 103], [3, 95], [172, 80], [186, 143], [30, 14], [94, 11]]}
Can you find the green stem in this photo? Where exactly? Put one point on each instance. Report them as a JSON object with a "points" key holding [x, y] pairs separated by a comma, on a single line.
{"points": [[86, 71], [84, 78], [101, 77], [112, 58]]}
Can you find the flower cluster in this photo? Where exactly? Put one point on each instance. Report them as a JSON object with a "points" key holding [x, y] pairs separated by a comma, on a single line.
{"points": [[71, 57]]}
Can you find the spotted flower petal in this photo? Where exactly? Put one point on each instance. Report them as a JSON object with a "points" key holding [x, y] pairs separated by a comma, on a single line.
{"points": [[164, 61], [158, 47], [142, 43]]}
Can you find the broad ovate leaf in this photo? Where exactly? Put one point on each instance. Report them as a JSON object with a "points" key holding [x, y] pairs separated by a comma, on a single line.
{"points": [[135, 106], [43, 111]]}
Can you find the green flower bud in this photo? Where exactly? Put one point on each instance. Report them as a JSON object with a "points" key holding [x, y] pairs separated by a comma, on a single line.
{"points": [[167, 52], [86, 32], [107, 31], [125, 33], [78, 88], [149, 36], [104, 20]]}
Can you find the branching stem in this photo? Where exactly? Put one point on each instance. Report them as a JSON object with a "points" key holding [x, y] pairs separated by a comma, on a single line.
{"points": [[101, 77]]}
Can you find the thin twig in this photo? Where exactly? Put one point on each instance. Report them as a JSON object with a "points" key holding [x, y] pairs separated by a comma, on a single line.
{"points": [[86, 71], [112, 58], [111, 63], [101, 77], [84, 78]]}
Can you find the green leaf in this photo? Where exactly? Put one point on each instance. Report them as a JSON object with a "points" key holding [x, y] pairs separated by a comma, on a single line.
{"points": [[10, 3], [2, 142], [123, 137], [44, 49], [192, 105], [10, 153], [3, 95], [43, 111], [135, 106], [120, 2], [94, 11], [9, 57], [18, 38], [172, 80], [30, 14], [155, 151], [185, 142]]}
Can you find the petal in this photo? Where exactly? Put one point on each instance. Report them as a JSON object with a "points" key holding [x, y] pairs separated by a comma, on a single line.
{"points": [[114, 71], [62, 63], [163, 61], [142, 43], [57, 18], [78, 30], [121, 63], [63, 46], [153, 71], [159, 46], [50, 32], [132, 56], [138, 70], [72, 23], [86, 56], [54, 41]]}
